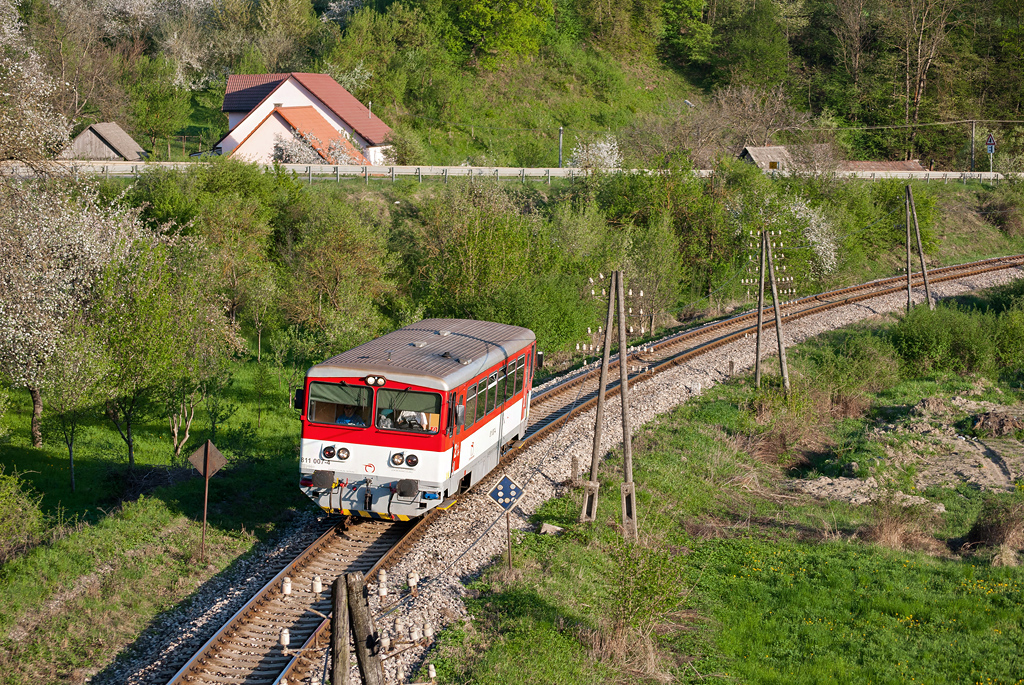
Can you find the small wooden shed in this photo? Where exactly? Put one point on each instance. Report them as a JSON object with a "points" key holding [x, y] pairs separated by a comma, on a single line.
{"points": [[104, 141]]}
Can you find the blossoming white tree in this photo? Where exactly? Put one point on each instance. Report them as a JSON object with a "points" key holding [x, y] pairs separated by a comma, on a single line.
{"points": [[52, 249], [601, 152], [30, 129]]}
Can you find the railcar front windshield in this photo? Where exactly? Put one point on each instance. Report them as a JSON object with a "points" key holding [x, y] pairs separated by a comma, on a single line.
{"points": [[407, 410], [340, 404]]}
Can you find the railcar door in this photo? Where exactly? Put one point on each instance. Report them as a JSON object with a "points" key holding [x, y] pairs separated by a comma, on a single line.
{"points": [[457, 399]]}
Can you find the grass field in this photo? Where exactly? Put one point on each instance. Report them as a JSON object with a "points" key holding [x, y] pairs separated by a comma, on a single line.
{"points": [[110, 567], [737, 579], [109, 562]]}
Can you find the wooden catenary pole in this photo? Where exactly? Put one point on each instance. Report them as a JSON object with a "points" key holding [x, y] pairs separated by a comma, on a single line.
{"points": [[920, 250], [778, 316], [365, 633], [760, 314], [589, 512], [910, 297], [628, 491], [340, 631]]}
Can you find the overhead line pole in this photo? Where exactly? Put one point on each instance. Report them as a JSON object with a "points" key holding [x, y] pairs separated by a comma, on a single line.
{"points": [[920, 250], [784, 367], [628, 490], [589, 512], [760, 314]]}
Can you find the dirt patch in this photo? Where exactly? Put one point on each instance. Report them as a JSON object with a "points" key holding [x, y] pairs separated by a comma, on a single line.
{"points": [[926, 449], [997, 424]]}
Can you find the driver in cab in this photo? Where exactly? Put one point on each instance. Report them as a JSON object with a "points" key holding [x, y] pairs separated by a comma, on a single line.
{"points": [[349, 417]]}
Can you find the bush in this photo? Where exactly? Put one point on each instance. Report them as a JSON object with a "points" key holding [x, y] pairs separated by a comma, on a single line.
{"points": [[950, 339], [21, 520], [1000, 523]]}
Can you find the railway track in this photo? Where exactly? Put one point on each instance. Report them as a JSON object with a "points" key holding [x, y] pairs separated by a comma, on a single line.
{"points": [[247, 648]]}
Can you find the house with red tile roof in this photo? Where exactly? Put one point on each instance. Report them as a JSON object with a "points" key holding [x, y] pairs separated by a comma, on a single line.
{"points": [[264, 109]]}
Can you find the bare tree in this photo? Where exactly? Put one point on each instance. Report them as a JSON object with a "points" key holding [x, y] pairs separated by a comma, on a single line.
{"points": [[851, 30], [918, 30], [70, 43]]}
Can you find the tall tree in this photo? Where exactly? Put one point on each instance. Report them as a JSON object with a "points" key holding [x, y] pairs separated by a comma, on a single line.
{"points": [[31, 130], [851, 27], [918, 31], [53, 247], [159, 106], [73, 383]]}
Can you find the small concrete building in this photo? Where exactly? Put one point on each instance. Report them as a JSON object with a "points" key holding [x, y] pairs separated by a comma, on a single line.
{"points": [[782, 158], [105, 142]]}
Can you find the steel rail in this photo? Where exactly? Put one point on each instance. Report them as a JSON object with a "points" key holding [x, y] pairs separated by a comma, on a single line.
{"points": [[668, 352]]}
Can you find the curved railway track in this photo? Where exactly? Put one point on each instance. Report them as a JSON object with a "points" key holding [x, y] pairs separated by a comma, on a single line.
{"points": [[247, 648]]}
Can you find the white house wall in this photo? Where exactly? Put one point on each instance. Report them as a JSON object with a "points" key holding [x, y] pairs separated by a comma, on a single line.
{"points": [[290, 93], [259, 147]]}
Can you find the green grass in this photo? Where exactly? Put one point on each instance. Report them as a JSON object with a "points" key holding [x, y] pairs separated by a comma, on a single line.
{"points": [[765, 587], [73, 603]]}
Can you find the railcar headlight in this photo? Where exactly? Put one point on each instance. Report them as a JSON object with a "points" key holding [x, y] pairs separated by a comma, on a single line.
{"points": [[371, 380], [397, 459], [412, 460], [380, 380], [328, 452], [343, 453]]}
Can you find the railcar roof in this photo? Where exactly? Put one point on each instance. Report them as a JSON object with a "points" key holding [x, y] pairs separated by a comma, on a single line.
{"points": [[436, 353]]}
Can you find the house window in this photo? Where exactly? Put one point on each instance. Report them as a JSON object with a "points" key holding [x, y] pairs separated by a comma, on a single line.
{"points": [[773, 165]]}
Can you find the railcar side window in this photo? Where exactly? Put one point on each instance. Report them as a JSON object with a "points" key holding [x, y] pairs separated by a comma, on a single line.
{"points": [[481, 399], [519, 375], [406, 410], [341, 404], [510, 379], [492, 392], [471, 407]]}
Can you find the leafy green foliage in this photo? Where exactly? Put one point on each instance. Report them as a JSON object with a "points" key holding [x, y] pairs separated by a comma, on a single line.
{"points": [[159, 106], [21, 520], [948, 339]]}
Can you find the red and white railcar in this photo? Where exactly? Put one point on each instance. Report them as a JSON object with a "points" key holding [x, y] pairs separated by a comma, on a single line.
{"points": [[403, 423]]}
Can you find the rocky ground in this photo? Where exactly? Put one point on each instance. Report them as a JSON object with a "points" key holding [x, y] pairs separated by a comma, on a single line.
{"points": [[928, 441]]}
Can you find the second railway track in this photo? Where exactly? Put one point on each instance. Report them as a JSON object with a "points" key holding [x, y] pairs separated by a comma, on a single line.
{"points": [[247, 650]]}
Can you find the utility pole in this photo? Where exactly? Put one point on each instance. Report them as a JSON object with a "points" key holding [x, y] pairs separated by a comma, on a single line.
{"points": [[589, 512], [910, 300], [628, 490], [920, 249], [973, 125], [778, 317], [760, 315], [340, 631]]}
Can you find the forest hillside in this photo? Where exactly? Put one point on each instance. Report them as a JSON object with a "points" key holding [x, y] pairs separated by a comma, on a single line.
{"points": [[470, 81]]}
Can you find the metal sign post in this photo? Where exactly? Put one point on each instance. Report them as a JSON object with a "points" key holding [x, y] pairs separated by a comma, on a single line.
{"points": [[208, 460], [505, 494], [991, 145]]}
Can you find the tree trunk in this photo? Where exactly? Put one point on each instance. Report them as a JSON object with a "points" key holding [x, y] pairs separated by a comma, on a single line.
{"points": [[71, 462], [131, 442], [37, 417]]}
